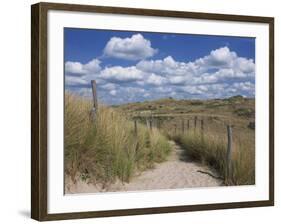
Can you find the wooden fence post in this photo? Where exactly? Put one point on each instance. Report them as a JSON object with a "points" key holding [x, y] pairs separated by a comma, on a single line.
{"points": [[195, 123], [95, 99], [202, 129], [187, 124], [182, 126], [157, 122], [154, 122], [135, 126], [175, 128], [150, 123], [229, 153], [147, 122]]}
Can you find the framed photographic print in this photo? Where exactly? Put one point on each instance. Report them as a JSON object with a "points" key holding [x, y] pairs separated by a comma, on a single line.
{"points": [[139, 111]]}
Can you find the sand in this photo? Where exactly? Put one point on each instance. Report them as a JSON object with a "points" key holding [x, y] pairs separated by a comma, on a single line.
{"points": [[177, 172]]}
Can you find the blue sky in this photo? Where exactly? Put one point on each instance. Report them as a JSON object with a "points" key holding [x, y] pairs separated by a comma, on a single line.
{"points": [[138, 66]]}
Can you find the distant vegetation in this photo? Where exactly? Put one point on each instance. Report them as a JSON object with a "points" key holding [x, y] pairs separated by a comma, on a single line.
{"points": [[245, 112], [107, 148], [235, 107]]}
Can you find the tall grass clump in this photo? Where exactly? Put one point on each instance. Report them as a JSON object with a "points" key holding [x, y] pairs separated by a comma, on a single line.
{"points": [[107, 148], [210, 149]]}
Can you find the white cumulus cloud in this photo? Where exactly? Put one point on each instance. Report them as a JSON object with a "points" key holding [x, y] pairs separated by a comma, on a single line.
{"points": [[74, 81], [220, 65], [113, 92], [221, 73], [77, 68], [74, 68], [121, 74], [134, 48], [156, 80], [108, 86], [220, 57]]}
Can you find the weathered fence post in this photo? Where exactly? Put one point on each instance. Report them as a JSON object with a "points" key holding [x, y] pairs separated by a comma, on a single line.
{"points": [[95, 99], [175, 128], [202, 129], [195, 122], [229, 153], [136, 135], [187, 124], [147, 122], [182, 126], [154, 122], [94, 91], [136, 126], [157, 122], [150, 123]]}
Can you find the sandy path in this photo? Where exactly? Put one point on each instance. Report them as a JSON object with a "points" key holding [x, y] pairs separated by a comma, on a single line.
{"points": [[177, 172]]}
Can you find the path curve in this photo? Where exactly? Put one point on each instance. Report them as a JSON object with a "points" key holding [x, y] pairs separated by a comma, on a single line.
{"points": [[177, 172]]}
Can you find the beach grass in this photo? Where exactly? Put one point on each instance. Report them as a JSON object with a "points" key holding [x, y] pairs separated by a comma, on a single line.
{"points": [[105, 147]]}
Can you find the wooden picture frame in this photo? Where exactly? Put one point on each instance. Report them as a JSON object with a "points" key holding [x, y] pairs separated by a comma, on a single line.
{"points": [[39, 109]]}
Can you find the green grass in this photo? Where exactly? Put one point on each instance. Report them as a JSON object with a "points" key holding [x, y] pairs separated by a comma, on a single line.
{"points": [[107, 148]]}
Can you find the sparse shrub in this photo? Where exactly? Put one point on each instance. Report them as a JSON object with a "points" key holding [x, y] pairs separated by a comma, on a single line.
{"points": [[196, 102], [245, 112], [236, 98]]}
